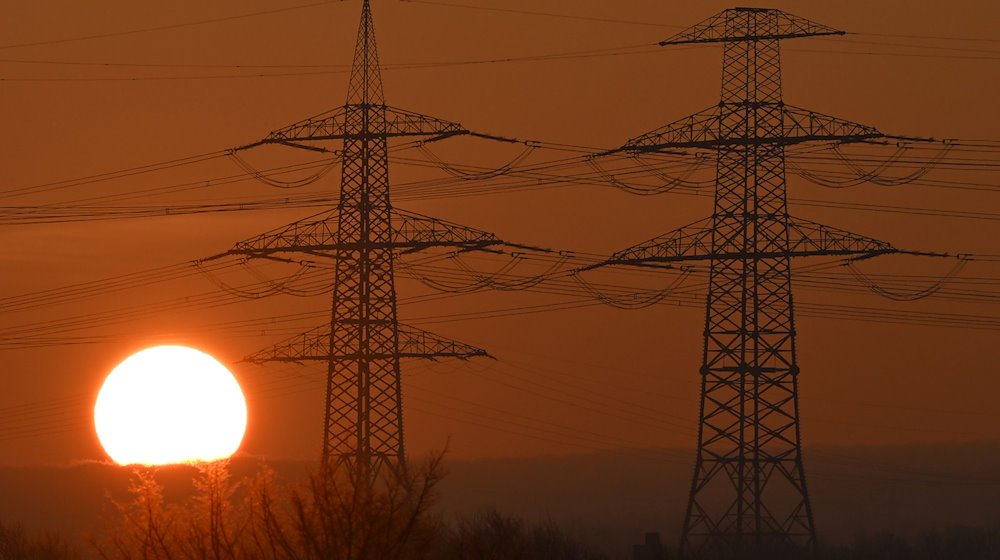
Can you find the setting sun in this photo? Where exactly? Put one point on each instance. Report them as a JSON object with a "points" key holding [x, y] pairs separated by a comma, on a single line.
{"points": [[170, 404]]}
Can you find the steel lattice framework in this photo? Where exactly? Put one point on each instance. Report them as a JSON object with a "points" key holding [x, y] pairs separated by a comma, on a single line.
{"points": [[749, 491], [363, 343]]}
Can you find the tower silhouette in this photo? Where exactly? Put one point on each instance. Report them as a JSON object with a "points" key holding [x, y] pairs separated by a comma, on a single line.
{"points": [[749, 492], [363, 342]]}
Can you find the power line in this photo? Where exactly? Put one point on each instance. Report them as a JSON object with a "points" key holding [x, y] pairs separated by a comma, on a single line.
{"points": [[895, 54], [167, 27], [56, 331], [911, 46], [111, 175], [106, 64], [565, 55], [641, 23], [932, 37], [542, 14]]}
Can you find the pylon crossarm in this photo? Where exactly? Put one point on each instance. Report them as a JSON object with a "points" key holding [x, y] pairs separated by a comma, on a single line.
{"points": [[692, 240], [666, 261], [399, 122], [698, 130], [806, 237], [337, 124], [694, 243], [314, 346], [318, 235], [414, 232], [704, 130], [720, 28], [311, 345], [803, 125], [311, 234], [418, 343], [327, 125]]}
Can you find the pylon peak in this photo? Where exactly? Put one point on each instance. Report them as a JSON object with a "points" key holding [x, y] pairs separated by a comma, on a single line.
{"points": [[750, 25], [366, 75]]}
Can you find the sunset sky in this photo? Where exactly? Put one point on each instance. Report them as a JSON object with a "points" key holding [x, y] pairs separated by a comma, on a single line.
{"points": [[81, 98]]}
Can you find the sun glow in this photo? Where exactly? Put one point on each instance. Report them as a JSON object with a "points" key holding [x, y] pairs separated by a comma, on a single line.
{"points": [[170, 404]]}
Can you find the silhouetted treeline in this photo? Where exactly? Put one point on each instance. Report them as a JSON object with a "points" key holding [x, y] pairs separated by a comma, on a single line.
{"points": [[339, 515], [16, 544], [955, 543], [958, 543]]}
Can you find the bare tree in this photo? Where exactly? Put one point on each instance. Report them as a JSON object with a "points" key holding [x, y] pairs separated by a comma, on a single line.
{"points": [[141, 527]]}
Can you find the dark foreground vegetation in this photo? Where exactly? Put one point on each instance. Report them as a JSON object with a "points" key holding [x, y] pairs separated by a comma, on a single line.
{"points": [[335, 516], [956, 543]]}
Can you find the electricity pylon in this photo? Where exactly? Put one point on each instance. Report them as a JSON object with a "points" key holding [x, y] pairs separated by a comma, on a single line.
{"points": [[363, 343], [748, 491]]}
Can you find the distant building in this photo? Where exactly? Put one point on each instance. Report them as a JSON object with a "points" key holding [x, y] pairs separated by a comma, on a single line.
{"points": [[650, 549]]}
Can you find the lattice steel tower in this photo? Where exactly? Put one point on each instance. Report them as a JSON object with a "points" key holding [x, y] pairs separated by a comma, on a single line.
{"points": [[749, 489], [363, 343]]}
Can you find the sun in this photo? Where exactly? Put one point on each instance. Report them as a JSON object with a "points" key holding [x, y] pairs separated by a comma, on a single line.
{"points": [[170, 404]]}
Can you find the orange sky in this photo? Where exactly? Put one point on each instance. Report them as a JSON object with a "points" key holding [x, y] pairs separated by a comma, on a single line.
{"points": [[610, 378]]}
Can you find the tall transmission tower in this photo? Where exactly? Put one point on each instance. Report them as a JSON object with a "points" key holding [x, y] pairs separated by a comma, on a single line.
{"points": [[364, 342], [749, 491]]}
